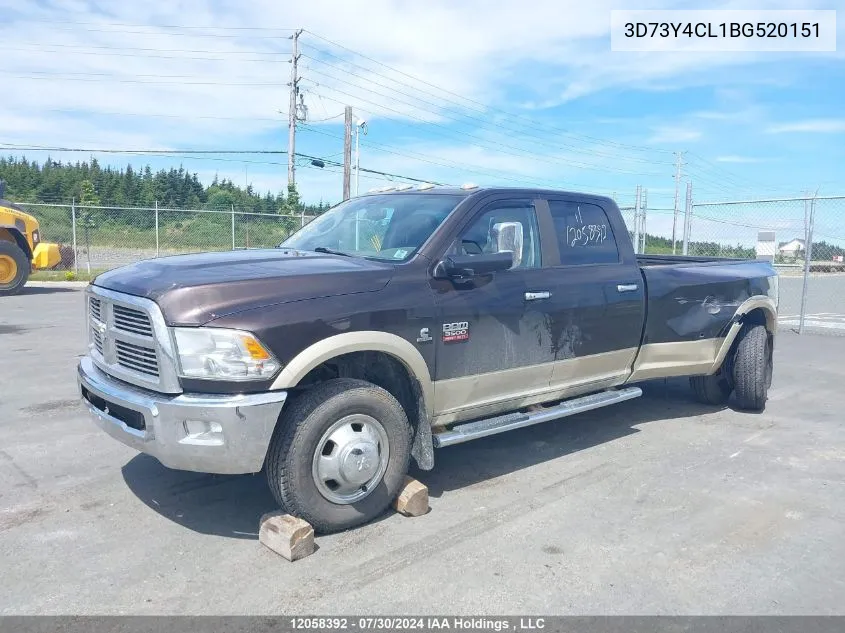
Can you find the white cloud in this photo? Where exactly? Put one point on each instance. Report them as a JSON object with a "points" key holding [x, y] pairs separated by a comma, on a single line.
{"points": [[830, 126], [671, 134], [101, 84], [738, 159]]}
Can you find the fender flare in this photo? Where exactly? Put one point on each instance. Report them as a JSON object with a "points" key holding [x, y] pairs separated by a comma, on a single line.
{"points": [[18, 238], [360, 341], [762, 302]]}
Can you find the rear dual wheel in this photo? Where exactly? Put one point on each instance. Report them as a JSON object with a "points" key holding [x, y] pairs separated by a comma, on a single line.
{"points": [[749, 375]]}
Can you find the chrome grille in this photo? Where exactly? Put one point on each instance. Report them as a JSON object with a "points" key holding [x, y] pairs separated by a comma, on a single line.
{"points": [[131, 320], [129, 339], [96, 308], [97, 339], [137, 358]]}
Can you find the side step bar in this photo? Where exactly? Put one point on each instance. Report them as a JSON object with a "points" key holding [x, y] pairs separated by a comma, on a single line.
{"points": [[511, 421]]}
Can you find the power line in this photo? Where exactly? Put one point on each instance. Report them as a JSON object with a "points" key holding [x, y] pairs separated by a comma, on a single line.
{"points": [[438, 161], [480, 141], [49, 50], [135, 81], [184, 153], [34, 148], [484, 107], [161, 26], [160, 50], [168, 116], [541, 140], [160, 33]]}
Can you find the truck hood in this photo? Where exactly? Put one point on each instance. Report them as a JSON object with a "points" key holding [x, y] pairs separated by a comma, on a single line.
{"points": [[195, 289]]}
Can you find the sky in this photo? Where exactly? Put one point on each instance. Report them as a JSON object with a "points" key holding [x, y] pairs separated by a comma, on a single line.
{"points": [[507, 93]]}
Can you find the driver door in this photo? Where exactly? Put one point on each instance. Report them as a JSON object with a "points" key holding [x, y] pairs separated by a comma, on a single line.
{"points": [[494, 345]]}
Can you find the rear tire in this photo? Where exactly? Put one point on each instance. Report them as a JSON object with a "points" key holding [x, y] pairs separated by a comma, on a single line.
{"points": [[752, 367], [712, 390], [363, 431], [14, 268]]}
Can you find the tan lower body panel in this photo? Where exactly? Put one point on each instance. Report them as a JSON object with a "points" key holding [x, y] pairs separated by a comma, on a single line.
{"points": [[469, 397], [685, 358]]}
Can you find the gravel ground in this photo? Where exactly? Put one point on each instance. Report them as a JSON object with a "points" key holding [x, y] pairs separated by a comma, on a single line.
{"points": [[655, 506]]}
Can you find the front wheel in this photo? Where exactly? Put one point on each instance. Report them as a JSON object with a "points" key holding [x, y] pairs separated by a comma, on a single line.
{"points": [[752, 367], [14, 268], [339, 454]]}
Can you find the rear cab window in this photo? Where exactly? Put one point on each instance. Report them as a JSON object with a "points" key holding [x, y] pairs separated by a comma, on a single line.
{"points": [[584, 233]]}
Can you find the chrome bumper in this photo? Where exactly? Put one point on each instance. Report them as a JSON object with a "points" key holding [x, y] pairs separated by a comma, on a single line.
{"points": [[226, 434]]}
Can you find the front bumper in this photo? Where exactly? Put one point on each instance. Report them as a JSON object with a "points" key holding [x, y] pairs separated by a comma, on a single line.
{"points": [[226, 434]]}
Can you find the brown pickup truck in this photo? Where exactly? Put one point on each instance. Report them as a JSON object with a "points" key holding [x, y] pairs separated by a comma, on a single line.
{"points": [[404, 321]]}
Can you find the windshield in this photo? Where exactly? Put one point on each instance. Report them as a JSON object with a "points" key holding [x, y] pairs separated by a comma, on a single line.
{"points": [[389, 227]]}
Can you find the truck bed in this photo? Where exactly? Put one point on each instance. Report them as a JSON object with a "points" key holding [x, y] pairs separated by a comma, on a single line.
{"points": [[694, 298], [675, 260]]}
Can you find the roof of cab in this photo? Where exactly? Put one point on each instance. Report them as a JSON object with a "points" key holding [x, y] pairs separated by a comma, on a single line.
{"points": [[468, 190]]}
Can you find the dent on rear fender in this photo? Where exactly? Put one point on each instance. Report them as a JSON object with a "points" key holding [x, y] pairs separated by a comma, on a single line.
{"points": [[703, 316]]}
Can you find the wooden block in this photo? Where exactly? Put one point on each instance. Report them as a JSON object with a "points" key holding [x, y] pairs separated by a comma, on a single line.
{"points": [[288, 536], [413, 499]]}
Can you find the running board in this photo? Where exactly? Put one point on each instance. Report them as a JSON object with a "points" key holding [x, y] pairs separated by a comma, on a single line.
{"points": [[511, 421]]}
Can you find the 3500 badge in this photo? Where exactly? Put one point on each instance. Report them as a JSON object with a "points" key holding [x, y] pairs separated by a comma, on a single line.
{"points": [[455, 332]]}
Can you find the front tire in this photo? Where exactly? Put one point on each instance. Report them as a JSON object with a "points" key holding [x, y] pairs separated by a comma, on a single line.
{"points": [[14, 268], [339, 455], [752, 367]]}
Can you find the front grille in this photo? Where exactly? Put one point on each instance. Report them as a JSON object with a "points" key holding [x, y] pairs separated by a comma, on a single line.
{"points": [[136, 358], [97, 339], [132, 320], [96, 308], [128, 340]]}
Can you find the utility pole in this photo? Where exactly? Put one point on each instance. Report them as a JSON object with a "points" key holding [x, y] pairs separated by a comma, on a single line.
{"points": [[679, 163], [637, 219], [688, 218], [347, 151], [292, 114]]}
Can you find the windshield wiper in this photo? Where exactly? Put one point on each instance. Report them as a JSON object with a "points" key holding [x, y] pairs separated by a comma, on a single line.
{"points": [[329, 251]]}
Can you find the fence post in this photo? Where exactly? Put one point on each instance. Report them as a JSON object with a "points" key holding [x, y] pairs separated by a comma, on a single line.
{"points": [[644, 213], [73, 228], [808, 257], [302, 218], [156, 228], [233, 227], [687, 218], [637, 220]]}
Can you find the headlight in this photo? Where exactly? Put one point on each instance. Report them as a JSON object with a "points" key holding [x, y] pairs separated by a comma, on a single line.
{"points": [[219, 354]]}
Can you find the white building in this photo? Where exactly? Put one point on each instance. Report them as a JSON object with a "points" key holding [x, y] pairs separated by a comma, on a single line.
{"points": [[793, 248]]}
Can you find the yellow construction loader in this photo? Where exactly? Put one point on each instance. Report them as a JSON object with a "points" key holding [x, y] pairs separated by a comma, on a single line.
{"points": [[21, 248]]}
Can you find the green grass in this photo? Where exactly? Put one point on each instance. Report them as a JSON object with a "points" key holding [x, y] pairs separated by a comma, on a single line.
{"points": [[63, 275]]}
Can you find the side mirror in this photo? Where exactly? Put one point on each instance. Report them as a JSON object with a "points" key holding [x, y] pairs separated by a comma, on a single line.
{"points": [[507, 236], [465, 267]]}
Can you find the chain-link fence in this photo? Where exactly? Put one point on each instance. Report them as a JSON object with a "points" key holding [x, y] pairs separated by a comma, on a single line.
{"points": [[97, 238], [801, 236]]}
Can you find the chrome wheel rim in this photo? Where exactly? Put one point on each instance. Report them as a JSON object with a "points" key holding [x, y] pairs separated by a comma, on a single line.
{"points": [[350, 458]]}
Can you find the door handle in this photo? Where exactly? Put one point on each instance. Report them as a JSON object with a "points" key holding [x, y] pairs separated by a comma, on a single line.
{"points": [[534, 296], [627, 287]]}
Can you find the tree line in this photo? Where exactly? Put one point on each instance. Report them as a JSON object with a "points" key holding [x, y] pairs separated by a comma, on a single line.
{"points": [[87, 182]]}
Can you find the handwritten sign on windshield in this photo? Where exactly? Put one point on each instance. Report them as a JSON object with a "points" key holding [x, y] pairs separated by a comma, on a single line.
{"points": [[584, 234]]}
